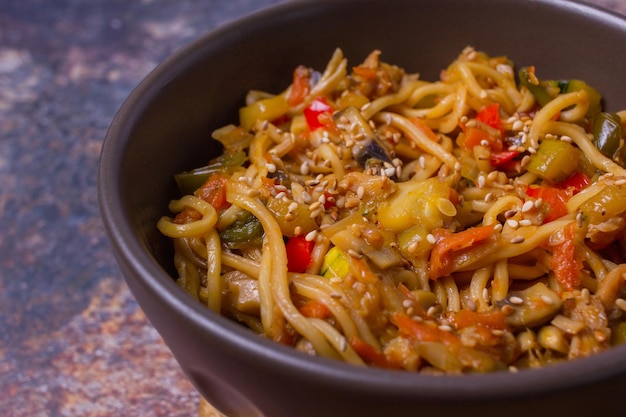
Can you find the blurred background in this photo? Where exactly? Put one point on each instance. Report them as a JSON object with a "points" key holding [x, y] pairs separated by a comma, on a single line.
{"points": [[73, 341]]}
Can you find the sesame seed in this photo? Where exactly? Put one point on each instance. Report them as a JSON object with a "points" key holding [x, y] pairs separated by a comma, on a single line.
{"points": [[292, 207], [310, 237], [507, 309], [488, 197], [531, 150], [304, 168], [546, 299], [422, 161], [281, 195], [621, 181], [315, 205], [510, 213], [335, 295], [485, 295], [413, 246], [497, 227], [457, 166], [430, 238], [567, 139], [297, 230], [270, 167], [306, 197], [360, 192], [316, 213], [528, 206], [512, 148], [517, 239], [431, 311], [354, 254], [621, 304], [525, 222], [517, 125], [407, 303], [483, 94], [538, 202], [516, 300], [512, 223], [481, 181], [445, 327]]}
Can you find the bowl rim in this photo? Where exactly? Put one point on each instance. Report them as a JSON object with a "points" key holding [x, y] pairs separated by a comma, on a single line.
{"points": [[154, 278]]}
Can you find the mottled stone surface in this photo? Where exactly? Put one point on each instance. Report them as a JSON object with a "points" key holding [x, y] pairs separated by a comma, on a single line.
{"points": [[72, 340]]}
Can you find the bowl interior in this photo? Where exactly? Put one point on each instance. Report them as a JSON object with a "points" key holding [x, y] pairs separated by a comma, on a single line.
{"points": [[165, 126]]}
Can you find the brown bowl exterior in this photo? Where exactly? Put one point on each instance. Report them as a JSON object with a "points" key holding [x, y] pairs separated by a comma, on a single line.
{"points": [[164, 127]]}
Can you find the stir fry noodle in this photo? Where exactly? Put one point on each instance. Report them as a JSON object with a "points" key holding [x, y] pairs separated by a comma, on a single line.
{"points": [[470, 224]]}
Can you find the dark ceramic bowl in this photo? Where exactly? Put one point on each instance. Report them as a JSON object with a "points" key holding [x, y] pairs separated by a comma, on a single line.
{"points": [[164, 127]]}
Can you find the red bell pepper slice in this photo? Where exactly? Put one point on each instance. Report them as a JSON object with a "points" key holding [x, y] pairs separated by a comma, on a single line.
{"points": [[556, 198], [315, 113], [490, 116], [298, 253], [575, 182], [498, 159]]}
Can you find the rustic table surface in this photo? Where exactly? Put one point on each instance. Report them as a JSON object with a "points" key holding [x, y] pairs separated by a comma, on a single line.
{"points": [[73, 341]]}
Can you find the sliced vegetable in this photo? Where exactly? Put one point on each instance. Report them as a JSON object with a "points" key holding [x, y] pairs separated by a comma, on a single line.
{"points": [[213, 191], [369, 353], [416, 202], [315, 309], [335, 264], [529, 80], [300, 217], [539, 305], [609, 202], [266, 109], [554, 160], [190, 181], [501, 159], [566, 265], [575, 182], [315, 113], [444, 250], [595, 99], [607, 133], [490, 116], [493, 319], [300, 86], [298, 253], [480, 136], [245, 232], [554, 198]]}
